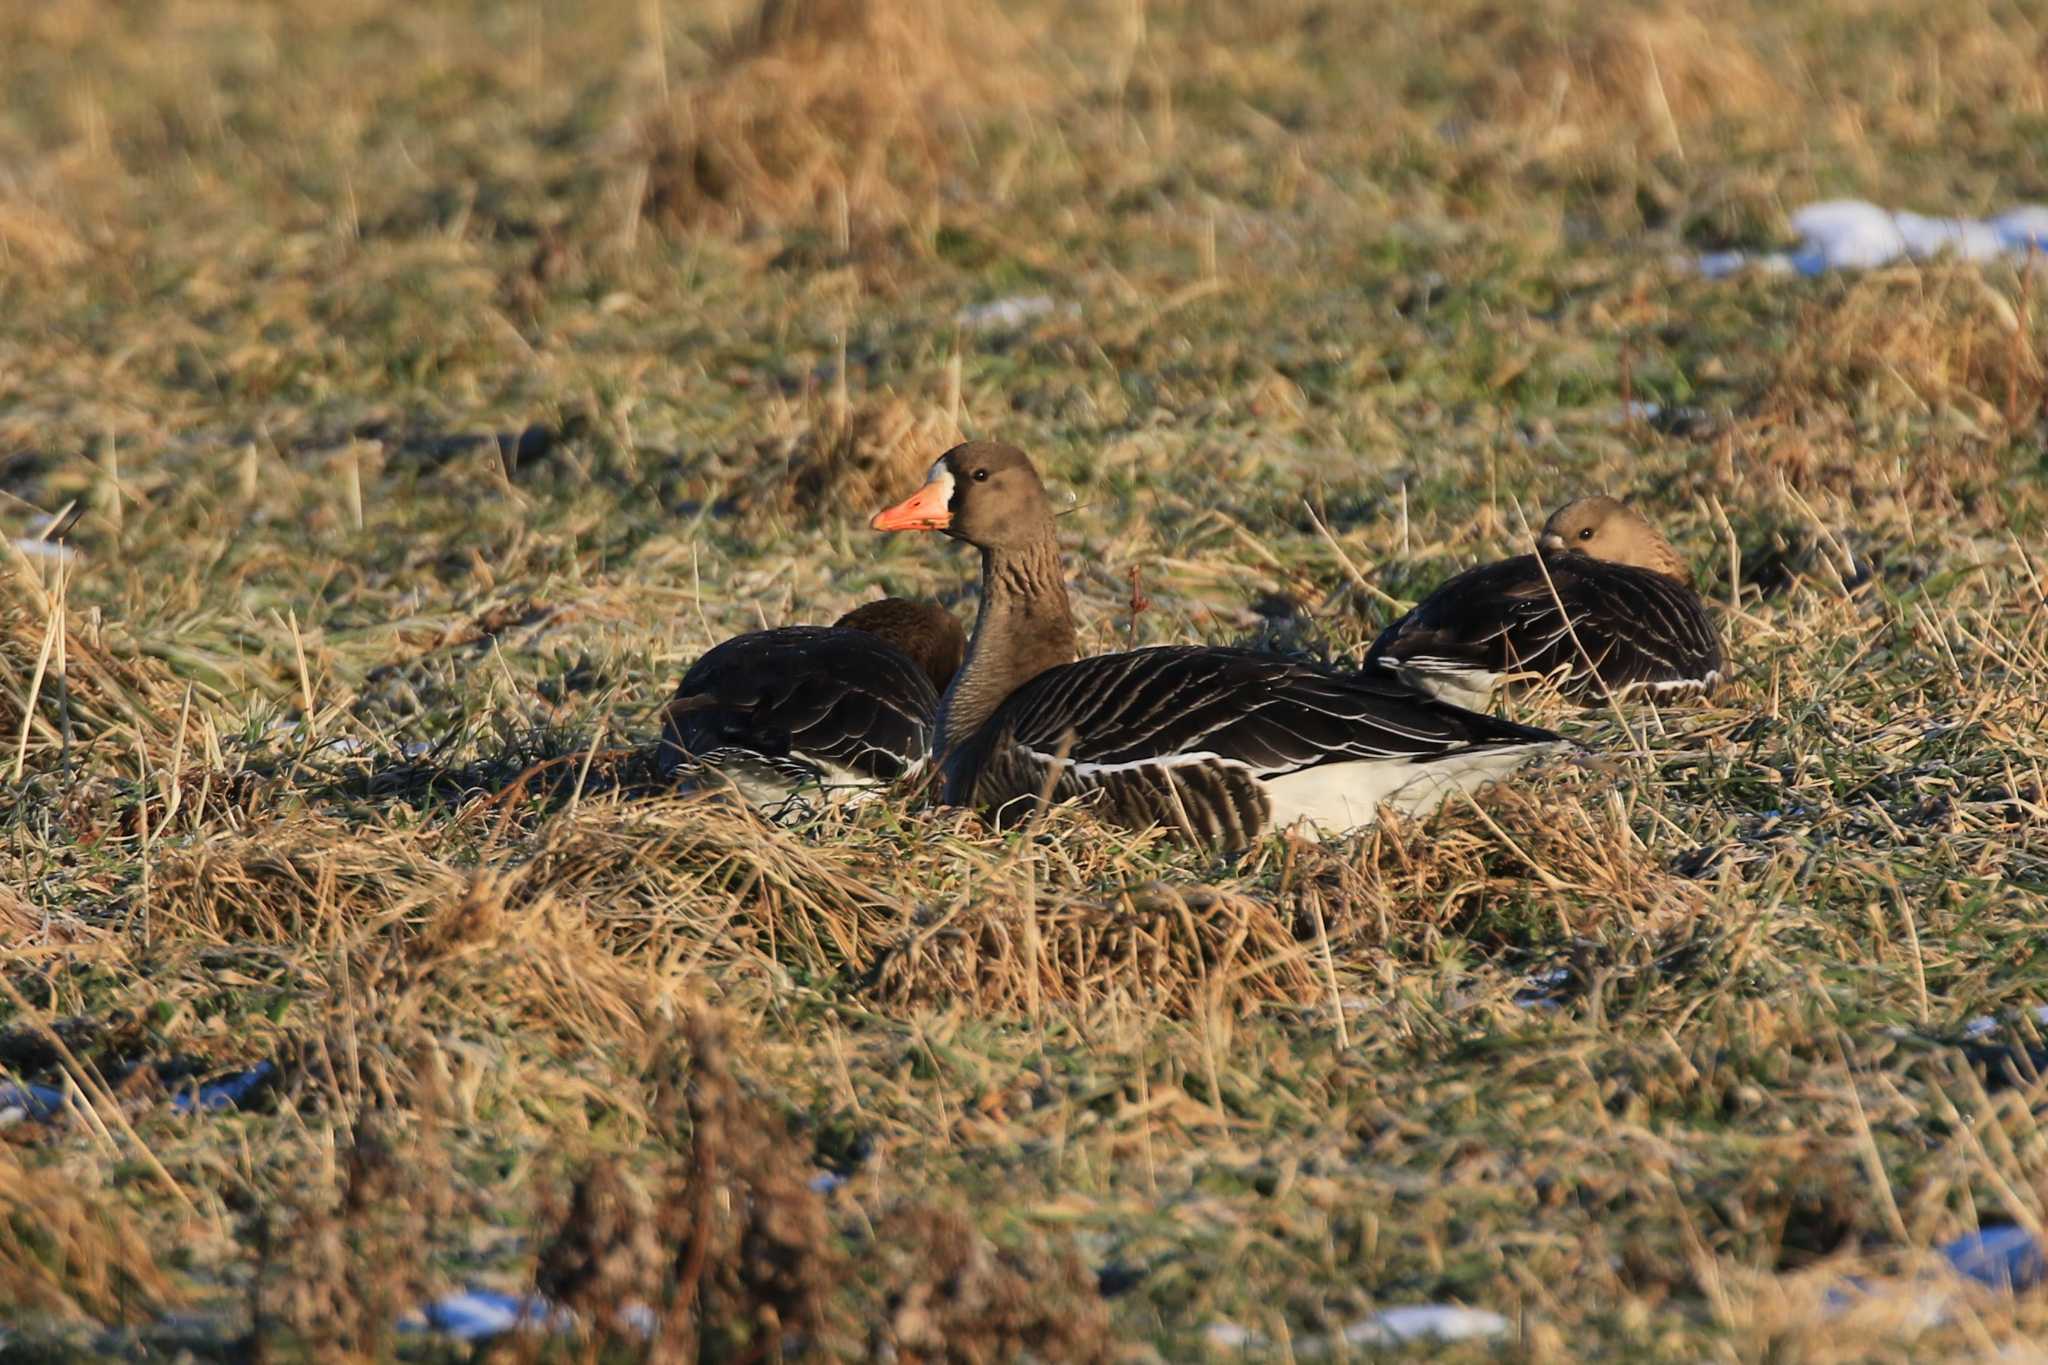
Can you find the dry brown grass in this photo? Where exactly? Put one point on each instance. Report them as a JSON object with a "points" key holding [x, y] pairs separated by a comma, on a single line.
{"points": [[848, 460], [1965, 338], [293, 881], [1566, 80], [1401, 263], [1955, 351], [36, 237], [733, 1249], [348, 1255], [1455, 874], [630, 885], [954, 1298], [755, 1261], [69, 1249], [1155, 947], [73, 683], [846, 112]]}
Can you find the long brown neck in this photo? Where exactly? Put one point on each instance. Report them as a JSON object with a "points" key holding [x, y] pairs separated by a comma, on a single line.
{"points": [[1025, 627]]}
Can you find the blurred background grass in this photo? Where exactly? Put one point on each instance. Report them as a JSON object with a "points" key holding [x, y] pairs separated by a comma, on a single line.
{"points": [[436, 381]]}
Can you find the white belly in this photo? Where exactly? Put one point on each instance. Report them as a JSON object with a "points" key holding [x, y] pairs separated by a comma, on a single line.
{"points": [[1336, 797]]}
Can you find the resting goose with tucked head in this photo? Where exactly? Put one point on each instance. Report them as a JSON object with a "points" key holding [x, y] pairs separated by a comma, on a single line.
{"points": [[1218, 745], [828, 711], [1605, 605]]}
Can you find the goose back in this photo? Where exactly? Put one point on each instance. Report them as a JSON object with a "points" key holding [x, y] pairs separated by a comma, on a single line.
{"points": [[1586, 621], [1218, 743], [824, 707]]}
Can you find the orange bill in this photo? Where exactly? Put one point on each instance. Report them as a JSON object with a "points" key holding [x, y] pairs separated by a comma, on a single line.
{"points": [[925, 510]]}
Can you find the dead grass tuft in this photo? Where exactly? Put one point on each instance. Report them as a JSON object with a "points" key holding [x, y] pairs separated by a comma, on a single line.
{"points": [[732, 1249], [83, 688], [849, 460], [1956, 337], [1523, 868], [755, 1258], [25, 927], [297, 881], [72, 1253], [832, 111], [704, 875], [349, 1256], [1564, 80], [955, 1297], [32, 235], [605, 1254], [1171, 948]]}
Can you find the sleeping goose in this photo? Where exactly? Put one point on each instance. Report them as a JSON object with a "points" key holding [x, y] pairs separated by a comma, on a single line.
{"points": [[1605, 604], [816, 710], [1217, 745]]}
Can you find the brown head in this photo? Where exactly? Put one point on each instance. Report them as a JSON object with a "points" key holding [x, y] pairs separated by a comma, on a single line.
{"points": [[988, 495], [921, 628], [985, 493], [1608, 528]]}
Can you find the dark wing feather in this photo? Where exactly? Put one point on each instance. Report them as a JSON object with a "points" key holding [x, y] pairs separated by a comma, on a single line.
{"points": [[1269, 714], [1626, 626], [809, 693]]}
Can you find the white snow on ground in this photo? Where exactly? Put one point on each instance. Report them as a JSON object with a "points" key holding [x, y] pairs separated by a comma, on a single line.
{"points": [[1849, 234], [1390, 1327]]}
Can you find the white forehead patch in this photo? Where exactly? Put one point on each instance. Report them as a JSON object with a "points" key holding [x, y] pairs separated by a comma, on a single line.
{"points": [[942, 476]]}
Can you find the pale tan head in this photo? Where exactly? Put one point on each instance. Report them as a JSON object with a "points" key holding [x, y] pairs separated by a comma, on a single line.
{"points": [[1609, 529]]}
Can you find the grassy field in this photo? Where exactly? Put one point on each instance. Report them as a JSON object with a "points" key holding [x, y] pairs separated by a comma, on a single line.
{"points": [[435, 382]]}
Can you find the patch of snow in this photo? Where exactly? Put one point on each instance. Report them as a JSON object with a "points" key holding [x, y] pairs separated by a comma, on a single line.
{"points": [[1984, 1026], [53, 551], [1010, 312], [480, 1314], [1229, 1336], [2004, 1257], [1426, 1322], [1539, 989], [18, 1102], [1851, 234], [1412, 1323], [217, 1097], [2024, 228]]}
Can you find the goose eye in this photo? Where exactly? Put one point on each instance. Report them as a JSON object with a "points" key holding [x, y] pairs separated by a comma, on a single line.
{"points": [[981, 476], [1586, 534]]}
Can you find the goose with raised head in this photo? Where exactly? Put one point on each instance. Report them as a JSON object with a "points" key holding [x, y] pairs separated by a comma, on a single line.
{"points": [[816, 711], [1605, 606], [1217, 745]]}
